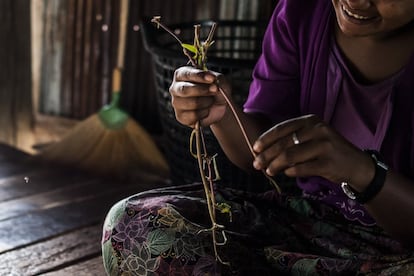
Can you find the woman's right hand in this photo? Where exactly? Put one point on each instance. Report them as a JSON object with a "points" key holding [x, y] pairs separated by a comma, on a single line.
{"points": [[196, 97]]}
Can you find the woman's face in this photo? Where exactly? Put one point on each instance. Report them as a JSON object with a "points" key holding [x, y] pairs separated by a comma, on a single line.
{"points": [[373, 17]]}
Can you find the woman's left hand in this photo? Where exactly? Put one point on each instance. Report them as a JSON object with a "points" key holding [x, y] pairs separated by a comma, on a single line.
{"points": [[307, 146]]}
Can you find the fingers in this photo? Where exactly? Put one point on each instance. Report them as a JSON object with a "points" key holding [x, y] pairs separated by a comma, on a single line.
{"points": [[195, 96], [191, 89], [192, 110], [192, 103], [286, 129], [188, 73], [304, 169], [293, 146], [298, 160], [191, 82]]}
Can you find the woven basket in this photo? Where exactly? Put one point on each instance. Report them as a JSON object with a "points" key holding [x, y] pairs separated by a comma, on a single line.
{"points": [[234, 53]]}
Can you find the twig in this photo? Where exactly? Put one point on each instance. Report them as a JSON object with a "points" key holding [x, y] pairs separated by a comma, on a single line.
{"points": [[199, 61], [246, 138], [157, 21]]}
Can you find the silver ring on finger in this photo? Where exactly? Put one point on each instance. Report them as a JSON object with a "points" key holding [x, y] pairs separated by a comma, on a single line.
{"points": [[295, 138]]}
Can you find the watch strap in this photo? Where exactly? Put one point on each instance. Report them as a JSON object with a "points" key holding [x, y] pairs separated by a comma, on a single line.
{"points": [[374, 186]]}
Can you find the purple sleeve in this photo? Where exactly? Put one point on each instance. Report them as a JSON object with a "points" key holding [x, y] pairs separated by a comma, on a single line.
{"points": [[275, 88]]}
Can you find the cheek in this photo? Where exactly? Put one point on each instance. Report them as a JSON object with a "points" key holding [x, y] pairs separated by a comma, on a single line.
{"points": [[397, 13]]}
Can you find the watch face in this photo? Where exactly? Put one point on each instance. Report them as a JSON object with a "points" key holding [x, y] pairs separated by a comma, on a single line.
{"points": [[347, 190]]}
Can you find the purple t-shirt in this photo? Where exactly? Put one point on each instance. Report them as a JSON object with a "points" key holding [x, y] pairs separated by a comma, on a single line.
{"points": [[302, 71]]}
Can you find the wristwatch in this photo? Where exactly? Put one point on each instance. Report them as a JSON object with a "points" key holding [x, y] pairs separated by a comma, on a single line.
{"points": [[376, 184]]}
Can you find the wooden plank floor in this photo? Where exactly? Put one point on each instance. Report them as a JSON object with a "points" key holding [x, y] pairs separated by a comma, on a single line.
{"points": [[51, 218]]}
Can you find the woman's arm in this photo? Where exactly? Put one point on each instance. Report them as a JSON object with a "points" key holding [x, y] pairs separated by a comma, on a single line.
{"points": [[321, 151], [393, 207], [196, 96], [231, 139]]}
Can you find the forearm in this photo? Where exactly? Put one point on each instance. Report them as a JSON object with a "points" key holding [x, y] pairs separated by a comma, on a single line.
{"points": [[393, 208], [231, 139]]}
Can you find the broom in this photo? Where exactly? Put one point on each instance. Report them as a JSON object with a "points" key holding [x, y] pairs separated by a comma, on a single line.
{"points": [[110, 142]]}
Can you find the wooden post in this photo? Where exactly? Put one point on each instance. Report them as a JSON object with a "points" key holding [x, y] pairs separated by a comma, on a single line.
{"points": [[52, 54], [16, 112]]}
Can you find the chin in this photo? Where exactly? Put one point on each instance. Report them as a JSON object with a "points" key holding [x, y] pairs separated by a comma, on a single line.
{"points": [[358, 30], [353, 32], [352, 26]]}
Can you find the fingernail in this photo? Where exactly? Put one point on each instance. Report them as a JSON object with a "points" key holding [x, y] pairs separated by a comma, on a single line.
{"points": [[256, 165], [213, 88], [268, 172], [256, 147], [209, 78]]}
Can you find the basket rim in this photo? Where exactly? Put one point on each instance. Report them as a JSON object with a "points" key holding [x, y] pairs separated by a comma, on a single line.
{"points": [[152, 46]]}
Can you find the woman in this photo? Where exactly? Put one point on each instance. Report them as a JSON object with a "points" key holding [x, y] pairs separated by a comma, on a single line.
{"points": [[331, 105]]}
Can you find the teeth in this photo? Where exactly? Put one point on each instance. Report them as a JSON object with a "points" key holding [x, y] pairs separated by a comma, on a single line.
{"points": [[357, 16]]}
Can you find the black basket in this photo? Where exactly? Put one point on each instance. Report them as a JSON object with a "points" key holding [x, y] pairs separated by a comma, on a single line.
{"points": [[234, 53]]}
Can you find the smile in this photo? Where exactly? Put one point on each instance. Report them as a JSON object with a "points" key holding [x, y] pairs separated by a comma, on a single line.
{"points": [[353, 15]]}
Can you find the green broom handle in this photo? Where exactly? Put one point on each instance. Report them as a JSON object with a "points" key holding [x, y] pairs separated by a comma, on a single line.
{"points": [[111, 115], [116, 82], [116, 87]]}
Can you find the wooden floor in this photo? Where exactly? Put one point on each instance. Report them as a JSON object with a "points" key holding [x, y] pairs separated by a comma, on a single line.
{"points": [[51, 218]]}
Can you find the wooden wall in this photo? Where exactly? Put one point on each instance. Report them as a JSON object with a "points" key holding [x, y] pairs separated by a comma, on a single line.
{"points": [[79, 45], [140, 98], [77, 49], [16, 114]]}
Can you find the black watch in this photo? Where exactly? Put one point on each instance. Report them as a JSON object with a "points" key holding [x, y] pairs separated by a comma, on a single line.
{"points": [[376, 184]]}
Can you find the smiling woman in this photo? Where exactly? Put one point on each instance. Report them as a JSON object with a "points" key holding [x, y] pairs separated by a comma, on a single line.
{"points": [[376, 37], [367, 17], [331, 107]]}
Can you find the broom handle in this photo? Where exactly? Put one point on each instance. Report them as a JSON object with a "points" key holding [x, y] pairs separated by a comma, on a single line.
{"points": [[116, 80], [123, 21], [117, 73]]}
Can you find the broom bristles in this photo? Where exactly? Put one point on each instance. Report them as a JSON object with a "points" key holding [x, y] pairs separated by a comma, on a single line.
{"points": [[118, 152], [72, 147], [121, 152]]}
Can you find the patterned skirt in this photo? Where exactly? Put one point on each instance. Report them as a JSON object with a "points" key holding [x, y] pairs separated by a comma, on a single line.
{"points": [[166, 232]]}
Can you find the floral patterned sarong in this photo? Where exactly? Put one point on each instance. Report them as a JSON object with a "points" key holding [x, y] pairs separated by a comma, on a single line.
{"points": [[163, 232]]}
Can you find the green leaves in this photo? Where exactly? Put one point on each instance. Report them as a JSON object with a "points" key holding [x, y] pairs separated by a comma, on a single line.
{"points": [[190, 48]]}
